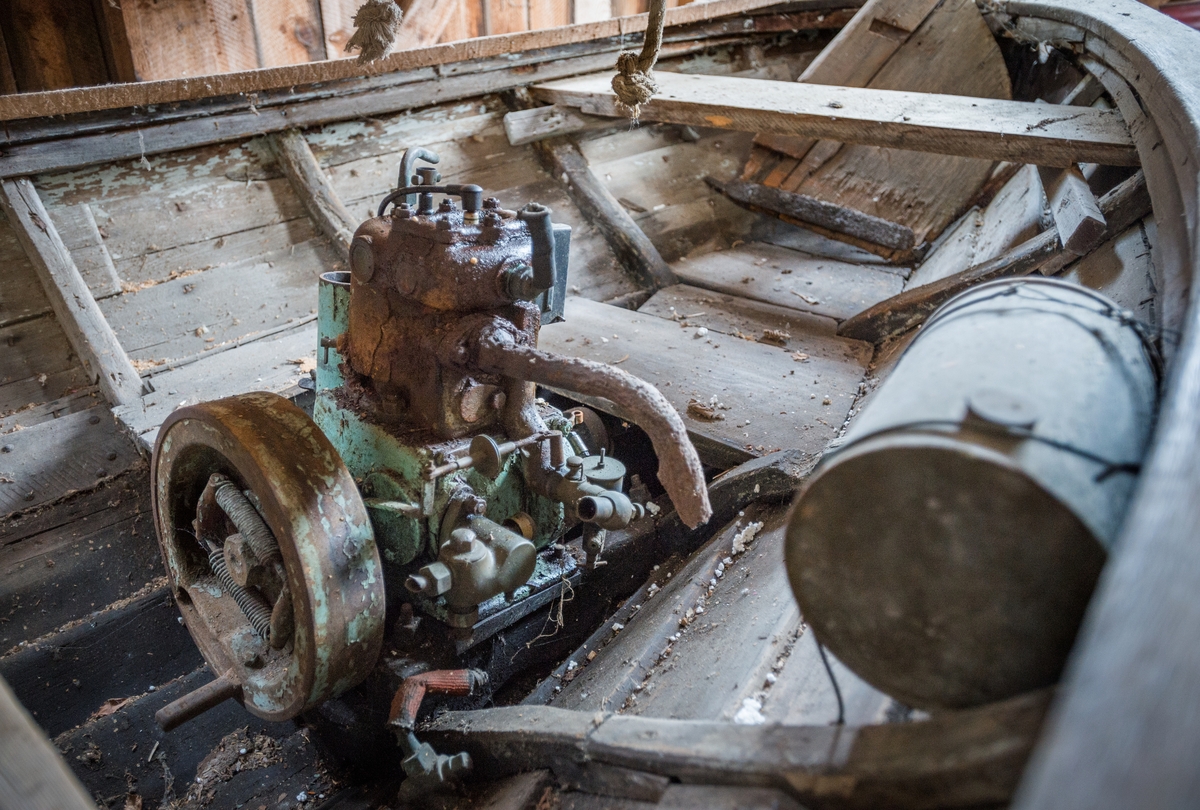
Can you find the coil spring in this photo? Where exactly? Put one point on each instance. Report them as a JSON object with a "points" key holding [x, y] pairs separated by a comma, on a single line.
{"points": [[253, 606], [248, 522]]}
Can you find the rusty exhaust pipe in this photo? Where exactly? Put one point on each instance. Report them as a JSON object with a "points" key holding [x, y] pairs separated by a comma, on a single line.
{"points": [[679, 468]]}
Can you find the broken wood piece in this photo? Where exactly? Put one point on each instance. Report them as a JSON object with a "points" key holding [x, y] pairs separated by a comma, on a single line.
{"points": [[1121, 207], [634, 250], [1081, 225], [957, 758], [838, 222], [312, 186], [85, 326], [539, 123], [988, 128]]}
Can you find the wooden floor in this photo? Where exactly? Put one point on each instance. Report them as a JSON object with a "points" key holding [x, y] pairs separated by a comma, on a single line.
{"points": [[204, 262]]}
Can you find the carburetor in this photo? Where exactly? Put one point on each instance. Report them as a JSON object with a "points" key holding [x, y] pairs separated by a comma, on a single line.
{"points": [[430, 474]]}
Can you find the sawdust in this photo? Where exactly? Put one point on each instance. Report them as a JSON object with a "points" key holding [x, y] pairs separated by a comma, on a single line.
{"points": [[145, 365], [236, 752]]}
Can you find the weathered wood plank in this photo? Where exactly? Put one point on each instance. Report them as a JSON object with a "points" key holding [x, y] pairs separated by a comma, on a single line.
{"points": [[32, 773], [995, 129], [268, 364], [1122, 206], [771, 399], [160, 92], [1122, 269], [287, 32], [188, 316], [21, 294], [53, 459], [314, 189], [1077, 217], [77, 227], [634, 250], [864, 230], [791, 279], [955, 759], [1012, 216], [61, 563], [855, 55], [77, 312], [170, 40], [539, 123], [37, 365], [64, 677]]}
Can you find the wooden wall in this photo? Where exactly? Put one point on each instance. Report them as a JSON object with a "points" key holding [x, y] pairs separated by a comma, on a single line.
{"points": [[52, 44]]}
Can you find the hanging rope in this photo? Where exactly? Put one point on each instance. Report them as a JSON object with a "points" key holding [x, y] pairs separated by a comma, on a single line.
{"points": [[634, 82], [376, 23]]}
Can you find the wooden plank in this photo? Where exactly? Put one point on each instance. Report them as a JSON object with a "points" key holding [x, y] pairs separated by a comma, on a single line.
{"points": [[156, 138], [855, 55], [21, 294], [54, 459], [32, 772], [1123, 269], [750, 378], [1013, 216], [8, 82], [37, 365], [1124, 727], [189, 316], [634, 250], [549, 13], [268, 364], [78, 314], [287, 32], [950, 760], [136, 644], [520, 792], [995, 129], [78, 230], [819, 285], [337, 24], [862, 230], [63, 563], [539, 123], [1122, 206], [1077, 215], [314, 189], [466, 22], [173, 39], [115, 41], [159, 92], [423, 23], [52, 46]]}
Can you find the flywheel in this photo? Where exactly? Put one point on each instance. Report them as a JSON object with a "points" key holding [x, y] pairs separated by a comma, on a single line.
{"points": [[269, 550]]}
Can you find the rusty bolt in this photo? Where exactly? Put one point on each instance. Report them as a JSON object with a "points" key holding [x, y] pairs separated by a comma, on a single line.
{"points": [[443, 224], [475, 505], [433, 580], [446, 206], [491, 203], [462, 541], [492, 219], [240, 560]]}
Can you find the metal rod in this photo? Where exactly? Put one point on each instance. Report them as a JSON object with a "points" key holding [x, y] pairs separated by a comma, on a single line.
{"points": [[197, 702]]}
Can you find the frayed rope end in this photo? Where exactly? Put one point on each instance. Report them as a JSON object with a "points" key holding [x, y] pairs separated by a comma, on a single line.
{"points": [[376, 23], [633, 86]]}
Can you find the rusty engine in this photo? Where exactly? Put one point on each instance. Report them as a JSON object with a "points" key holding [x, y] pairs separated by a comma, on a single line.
{"points": [[430, 480]]}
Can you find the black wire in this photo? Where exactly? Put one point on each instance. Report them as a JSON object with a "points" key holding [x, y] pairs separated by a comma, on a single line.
{"points": [[837, 691]]}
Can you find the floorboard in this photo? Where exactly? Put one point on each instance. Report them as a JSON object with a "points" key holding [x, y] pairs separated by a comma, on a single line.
{"points": [[765, 398], [791, 279]]}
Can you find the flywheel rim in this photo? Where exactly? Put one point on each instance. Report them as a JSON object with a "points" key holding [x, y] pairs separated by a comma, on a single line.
{"points": [[311, 504]]}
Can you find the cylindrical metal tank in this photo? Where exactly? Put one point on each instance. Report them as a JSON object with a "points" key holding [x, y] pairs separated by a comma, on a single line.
{"points": [[947, 548]]}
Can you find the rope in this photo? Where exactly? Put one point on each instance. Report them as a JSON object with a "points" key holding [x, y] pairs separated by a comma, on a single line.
{"points": [[634, 82], [376, 23]]}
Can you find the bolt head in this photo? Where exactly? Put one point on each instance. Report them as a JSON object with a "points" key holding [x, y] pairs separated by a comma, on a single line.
{"points": [[462, 541]]}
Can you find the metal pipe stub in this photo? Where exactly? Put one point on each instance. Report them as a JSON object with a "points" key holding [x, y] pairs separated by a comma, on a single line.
{"points": [[198, 701]]}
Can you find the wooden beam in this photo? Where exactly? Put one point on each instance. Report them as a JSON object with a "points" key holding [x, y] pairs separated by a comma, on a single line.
{"points": [[464, 80], [314, 189], [78, 315], [956, 759], [891, 240], [33, 775], [994, 129], [1122, 207], [634, 250], [32, 105]]}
